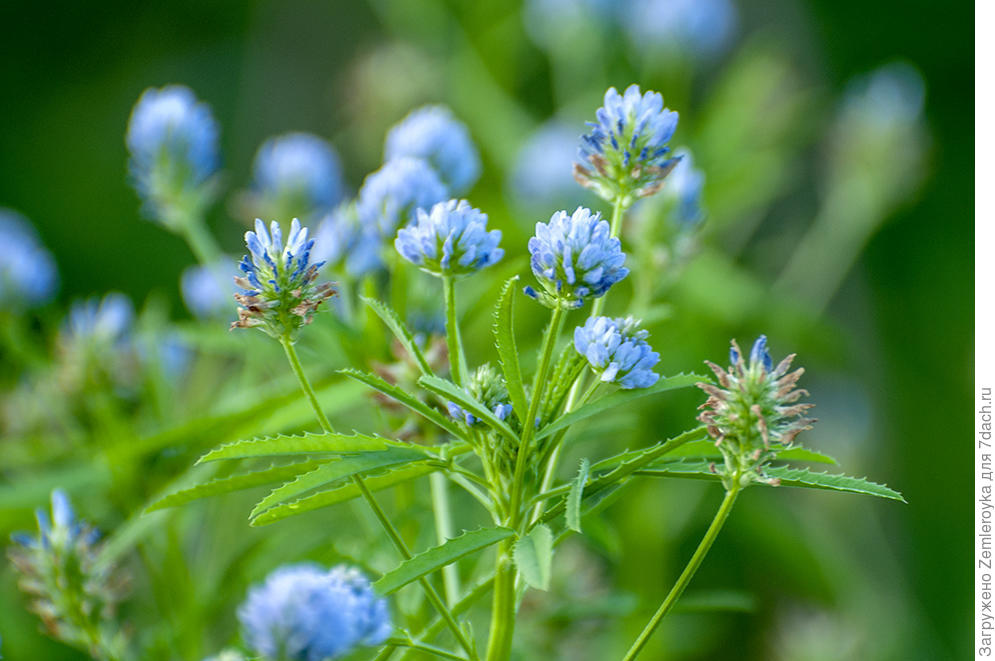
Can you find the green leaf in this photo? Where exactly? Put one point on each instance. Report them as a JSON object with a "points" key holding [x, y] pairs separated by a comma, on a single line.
{"points": [[400, 331], [507, 349], [576, 495], [618, 398], [707, 448], [282, 444], [232, 483], [789, 477], [450, 391], [534, 556], [438, 557], [341, 494], [405, 398], [335, 470]]}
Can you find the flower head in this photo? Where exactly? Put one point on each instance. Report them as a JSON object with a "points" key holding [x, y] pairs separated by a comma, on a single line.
{"points": [[27, 270], [575, 257], [306, 613], [617, 351], [684, 186], [451, 239], [207, 290], [542, 174], [433, 134], [345, 244], [698, 28], [487, 386], [625, 155], [105, 321], [390, 196], [279, 294], [753, 411], [297, 174], [172, 140]]}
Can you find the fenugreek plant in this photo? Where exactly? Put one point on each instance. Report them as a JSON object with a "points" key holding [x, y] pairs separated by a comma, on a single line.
{"points": [[495, 431]]}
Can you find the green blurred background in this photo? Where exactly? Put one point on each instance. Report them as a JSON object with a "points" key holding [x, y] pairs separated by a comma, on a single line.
{"points": [[878, 309]]}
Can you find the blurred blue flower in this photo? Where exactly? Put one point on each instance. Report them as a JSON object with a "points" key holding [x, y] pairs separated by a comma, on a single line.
{"points": [[759, 356], [27, 270], [390, 196], [300, 171], [172, 140], [345, 244], [451, 239], [105, 321], [207, 290], [279, 294], [488, 387], [685, 186], [625, 155], [555, 24], [434, 135], [890, 96], [699, 28], [305, 613], [543, 170], [617, 350], [575, 257]]}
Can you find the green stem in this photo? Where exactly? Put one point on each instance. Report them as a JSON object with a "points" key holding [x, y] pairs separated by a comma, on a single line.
{"points": [[457, 361], [424, 647], [618, 212], [444, 532], [503, 605], [378, 511], [200, 241], [689, 570]]}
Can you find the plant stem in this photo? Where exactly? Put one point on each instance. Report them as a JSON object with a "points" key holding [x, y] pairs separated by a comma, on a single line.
{"points": [[385, 522], [503, 605], [200, 241], [689, 570], [457, 361], [444, 532], [424, 647]]}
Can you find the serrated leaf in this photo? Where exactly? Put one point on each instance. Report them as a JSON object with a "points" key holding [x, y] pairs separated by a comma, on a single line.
{"points": [[400, 331], [308, 443], [789, 477], [238, 482], [507, 349], [405, 398], [452, 392], [707, 448], [335, 470], [438, 557], [341, 494], [617, 399], [534, 556], [576, 495]]}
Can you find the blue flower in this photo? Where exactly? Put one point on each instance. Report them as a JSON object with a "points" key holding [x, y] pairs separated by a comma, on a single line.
{"points": [[699, 28], [279, 294], [297, 174], [488, 387], [27, 270], [345, 244], [542, 176], [207, 290], [105, 321], [433, 134], [390, 196], [306, 613], [575, 257], [684, 186], [451, 239], [616, 349], [759, 356], [625, 155], [172, 140]]}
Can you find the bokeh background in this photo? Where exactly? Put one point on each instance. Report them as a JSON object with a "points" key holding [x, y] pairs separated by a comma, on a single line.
{"points": [[837, 144]]}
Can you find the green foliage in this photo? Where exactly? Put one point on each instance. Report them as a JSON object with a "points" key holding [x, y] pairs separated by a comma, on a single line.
{"points": [[230, 483], [308, 443], [534, 556], [400, 331], [450, 391], [507, 348], [407, 399], [576, 495]]}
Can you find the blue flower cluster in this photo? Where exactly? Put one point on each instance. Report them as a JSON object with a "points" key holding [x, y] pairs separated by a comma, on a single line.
{"points": [[207, 290], [306, 613], [684, 186], [617, 351], [542, 175], [625, 155], [699, 28], [172, 140], [759, 356], [390, 196], [279, 294], [575, 257], [432, 133], [27, 270], [451, 239], [105, 321], [297, 174], [345, 244], [487, 386], [60, 531]]}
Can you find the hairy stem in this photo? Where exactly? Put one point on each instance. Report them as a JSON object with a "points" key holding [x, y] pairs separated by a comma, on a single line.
{"points": [[378, 511], [689, 570]]}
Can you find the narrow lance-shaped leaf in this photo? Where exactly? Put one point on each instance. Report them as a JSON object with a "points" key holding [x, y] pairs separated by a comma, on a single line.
{"points": [[707, 448], [788, 476], [438, 557], [405, 398], [618, 398], [534, 556], [576, 495], [507, 349], [456, 394], [400, 331], [327, 443]]}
